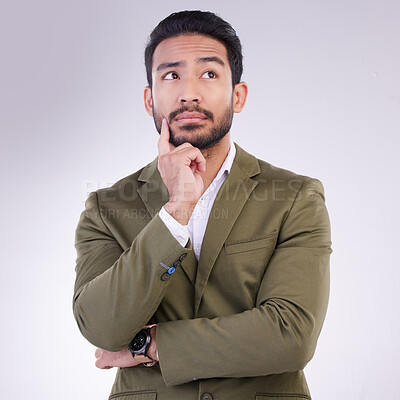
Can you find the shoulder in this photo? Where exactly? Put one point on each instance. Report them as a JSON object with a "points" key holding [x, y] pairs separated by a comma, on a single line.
{"points": [[126, 187], [295, 186], [273, 177]]}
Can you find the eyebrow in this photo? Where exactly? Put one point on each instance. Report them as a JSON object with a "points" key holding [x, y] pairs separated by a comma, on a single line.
{"points": [[170, 65], [210, 59], [182, 63]]}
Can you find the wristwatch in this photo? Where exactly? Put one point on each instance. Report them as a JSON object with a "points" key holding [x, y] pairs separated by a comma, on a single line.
{"points": [[140, 344]]}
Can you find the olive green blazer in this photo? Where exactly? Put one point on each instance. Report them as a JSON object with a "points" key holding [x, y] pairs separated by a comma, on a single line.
{"points": [[243, 321]]}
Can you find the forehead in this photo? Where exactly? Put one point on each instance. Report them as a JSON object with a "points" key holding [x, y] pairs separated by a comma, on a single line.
{"points": [[188, 47]]}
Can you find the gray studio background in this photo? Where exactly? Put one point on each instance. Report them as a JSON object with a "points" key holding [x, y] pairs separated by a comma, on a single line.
{"points": [[324, 101]]}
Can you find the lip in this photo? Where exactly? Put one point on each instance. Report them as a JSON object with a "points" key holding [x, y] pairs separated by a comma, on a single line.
{"points": [[191, 117]]}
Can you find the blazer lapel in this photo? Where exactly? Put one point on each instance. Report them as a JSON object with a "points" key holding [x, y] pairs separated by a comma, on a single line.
{"points": [[154, 194], [228, 204]]}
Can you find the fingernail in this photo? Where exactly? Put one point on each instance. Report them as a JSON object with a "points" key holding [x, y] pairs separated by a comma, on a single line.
{"points": [[97, 353]]}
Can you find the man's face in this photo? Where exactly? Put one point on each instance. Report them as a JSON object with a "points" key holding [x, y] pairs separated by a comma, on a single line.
{"points": [[192, 88]]}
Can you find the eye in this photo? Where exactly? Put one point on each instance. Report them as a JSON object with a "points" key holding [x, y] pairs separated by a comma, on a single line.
{"points": [[209, 75], [170, 76]]}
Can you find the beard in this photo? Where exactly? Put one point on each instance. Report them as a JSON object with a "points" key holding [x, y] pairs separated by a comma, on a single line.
{"points": [[197, 135]]}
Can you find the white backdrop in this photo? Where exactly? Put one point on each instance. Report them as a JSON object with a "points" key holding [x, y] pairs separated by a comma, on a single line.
{"points": [[324, 101]]}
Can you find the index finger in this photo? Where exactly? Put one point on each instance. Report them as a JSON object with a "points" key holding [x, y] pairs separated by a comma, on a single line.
{"points": [[163, 144]]}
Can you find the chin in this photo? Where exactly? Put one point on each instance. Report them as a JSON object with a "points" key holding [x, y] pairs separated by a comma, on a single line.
{"points": [[190, 134]]}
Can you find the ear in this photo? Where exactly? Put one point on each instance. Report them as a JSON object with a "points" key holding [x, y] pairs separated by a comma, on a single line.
{"points": [[148, 101], [239, 96]]}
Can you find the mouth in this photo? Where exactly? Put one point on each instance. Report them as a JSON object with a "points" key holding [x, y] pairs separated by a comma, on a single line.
{"points": [[190, 117]]}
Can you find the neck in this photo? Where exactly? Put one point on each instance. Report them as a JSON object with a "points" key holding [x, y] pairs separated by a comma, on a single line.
{"points": [[215, 156]]}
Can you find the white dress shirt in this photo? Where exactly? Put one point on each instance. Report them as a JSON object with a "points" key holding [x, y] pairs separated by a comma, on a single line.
{"points": [[197, 224]]}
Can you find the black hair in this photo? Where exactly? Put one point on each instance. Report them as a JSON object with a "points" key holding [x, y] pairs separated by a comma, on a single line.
{"points": [[201, 23]]}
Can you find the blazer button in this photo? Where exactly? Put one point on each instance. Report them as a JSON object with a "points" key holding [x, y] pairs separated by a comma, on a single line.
{"points": [[206, 396], [165, 276]]}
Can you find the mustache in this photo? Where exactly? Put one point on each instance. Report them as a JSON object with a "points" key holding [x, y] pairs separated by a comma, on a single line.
{"points": [[196, 108]]}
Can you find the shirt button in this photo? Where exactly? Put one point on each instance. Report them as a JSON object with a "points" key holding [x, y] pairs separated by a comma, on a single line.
{"points": [[206, 396], [165, 276]]}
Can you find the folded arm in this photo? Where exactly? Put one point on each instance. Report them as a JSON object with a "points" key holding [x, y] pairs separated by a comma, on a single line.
{"points": [[280, 333], [105, 273]]}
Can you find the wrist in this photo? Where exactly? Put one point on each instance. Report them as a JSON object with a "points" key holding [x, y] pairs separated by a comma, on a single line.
{"points": [[180, 211], [152, 351]]}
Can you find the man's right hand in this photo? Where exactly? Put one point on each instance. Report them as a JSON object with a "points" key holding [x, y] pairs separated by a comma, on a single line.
{"points": [[179, 169]]}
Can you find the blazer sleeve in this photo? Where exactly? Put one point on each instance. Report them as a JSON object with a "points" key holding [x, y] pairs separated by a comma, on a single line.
{"points": [[279, 334], [116, 292]]}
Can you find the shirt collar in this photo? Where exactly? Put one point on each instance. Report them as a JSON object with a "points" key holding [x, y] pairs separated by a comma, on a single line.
{"points": [[227, 164]]}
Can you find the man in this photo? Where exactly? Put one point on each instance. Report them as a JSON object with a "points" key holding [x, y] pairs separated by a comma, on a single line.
{"points": [[204, 275]]}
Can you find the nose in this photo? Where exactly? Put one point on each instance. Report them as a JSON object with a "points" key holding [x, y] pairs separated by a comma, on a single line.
{"points": [[189, 92]]}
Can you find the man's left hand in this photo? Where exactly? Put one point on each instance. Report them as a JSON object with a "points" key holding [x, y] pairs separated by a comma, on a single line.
{"points": [[108, 359]]}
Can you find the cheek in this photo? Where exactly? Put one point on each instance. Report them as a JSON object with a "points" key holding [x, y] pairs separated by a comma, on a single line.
{"points": [[162, 102], [219, 101], [220, 94]]}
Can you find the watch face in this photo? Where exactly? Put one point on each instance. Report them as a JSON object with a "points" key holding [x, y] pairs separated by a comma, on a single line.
{"points": [[139, 341]]}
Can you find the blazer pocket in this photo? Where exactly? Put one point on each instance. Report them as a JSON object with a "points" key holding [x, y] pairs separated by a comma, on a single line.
{"points": [[240, 247], [143, 395]]}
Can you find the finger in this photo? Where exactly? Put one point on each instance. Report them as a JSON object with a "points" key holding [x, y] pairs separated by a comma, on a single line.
{"points": [[197, 158], [102, 357], [100, 364], [163, 144], [149, 326]]}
